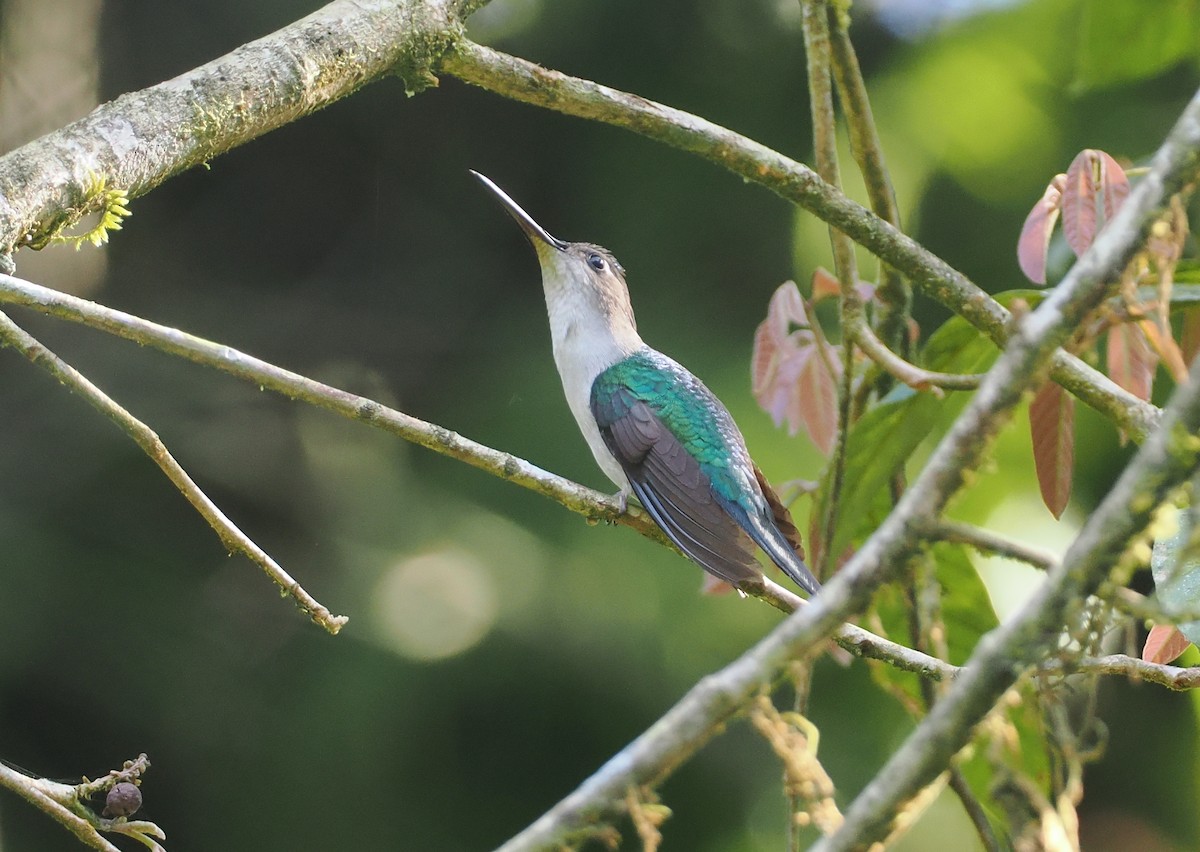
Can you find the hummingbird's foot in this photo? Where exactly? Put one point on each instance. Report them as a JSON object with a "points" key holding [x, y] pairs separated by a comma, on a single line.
{"points": [[622, 498]]}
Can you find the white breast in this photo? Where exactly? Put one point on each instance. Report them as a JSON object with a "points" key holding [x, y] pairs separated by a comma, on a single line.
{"points": [[585, 345]]}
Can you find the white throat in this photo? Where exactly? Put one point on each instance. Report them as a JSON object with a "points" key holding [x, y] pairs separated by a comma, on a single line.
{"points": [[590, 330]]}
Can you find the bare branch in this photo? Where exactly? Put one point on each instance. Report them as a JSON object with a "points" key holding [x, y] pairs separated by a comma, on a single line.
{"points": [[1173, 677], [524, 81], [910, 374], [986, 541], [233, 538]]}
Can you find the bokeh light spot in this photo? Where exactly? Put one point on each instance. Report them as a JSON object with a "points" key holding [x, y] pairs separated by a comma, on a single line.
{"points": [[435, 605]]}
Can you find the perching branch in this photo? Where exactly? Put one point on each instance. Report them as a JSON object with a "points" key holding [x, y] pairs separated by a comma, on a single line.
{"points": [[591, 504], [577, 498], [524, 81], [233, 538]]}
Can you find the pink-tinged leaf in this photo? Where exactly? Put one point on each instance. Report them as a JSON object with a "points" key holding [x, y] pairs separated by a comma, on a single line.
{"points": [[780, 395], [786, 308], [1164, 644], [764, 360], [817, 400], [1131, 362], [1034, 242], [1052, 425], [1114, 185], [780, 355], [1095, 187], [1189, 338], [771, 338], [824, 284]]}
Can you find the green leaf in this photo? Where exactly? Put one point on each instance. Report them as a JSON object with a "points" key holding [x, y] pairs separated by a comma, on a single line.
{"points": [[884, 438], [967, 613], [966, 605], [1123, 41]]}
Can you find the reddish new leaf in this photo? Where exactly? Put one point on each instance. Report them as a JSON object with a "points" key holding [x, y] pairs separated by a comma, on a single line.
{"points": [[1131, 362], [817, 399], [1094, 189], [778, 353], [1164, 644], [779, 395], [786, 308], [1034, 242], [1052, 425], [824, 284]]}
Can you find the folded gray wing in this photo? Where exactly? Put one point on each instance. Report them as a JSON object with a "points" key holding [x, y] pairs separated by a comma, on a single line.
{"points": [[670, 484]]}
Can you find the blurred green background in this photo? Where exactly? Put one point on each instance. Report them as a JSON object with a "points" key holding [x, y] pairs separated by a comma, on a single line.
{"points": [[499, 649]]}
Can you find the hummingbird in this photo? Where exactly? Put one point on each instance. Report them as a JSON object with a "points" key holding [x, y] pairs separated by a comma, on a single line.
{"points": [[654, 428]]}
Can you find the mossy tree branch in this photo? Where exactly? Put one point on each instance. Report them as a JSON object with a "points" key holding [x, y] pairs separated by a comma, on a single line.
{"points": [[142, 138]]}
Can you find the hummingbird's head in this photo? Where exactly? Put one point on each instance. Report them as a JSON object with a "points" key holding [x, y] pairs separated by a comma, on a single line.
{"points": [[581, 275]]}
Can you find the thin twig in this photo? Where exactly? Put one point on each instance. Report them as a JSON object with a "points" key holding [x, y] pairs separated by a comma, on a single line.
{"points": [[975, 812], [68, 805], [987, 542], [233, 538], [918, 378], [893, 295], [1179, 678], [820, 98], [524, 81], [32, 790]]}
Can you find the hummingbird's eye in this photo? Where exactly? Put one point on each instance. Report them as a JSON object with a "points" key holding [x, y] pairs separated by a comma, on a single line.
{"points": [[595, 261]]}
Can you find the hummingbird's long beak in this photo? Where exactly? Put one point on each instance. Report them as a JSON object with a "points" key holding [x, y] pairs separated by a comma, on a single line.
{"points": [[531, 228]]}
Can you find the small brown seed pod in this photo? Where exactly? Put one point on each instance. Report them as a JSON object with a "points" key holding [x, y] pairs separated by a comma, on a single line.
{"points": [[122, 800]]}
